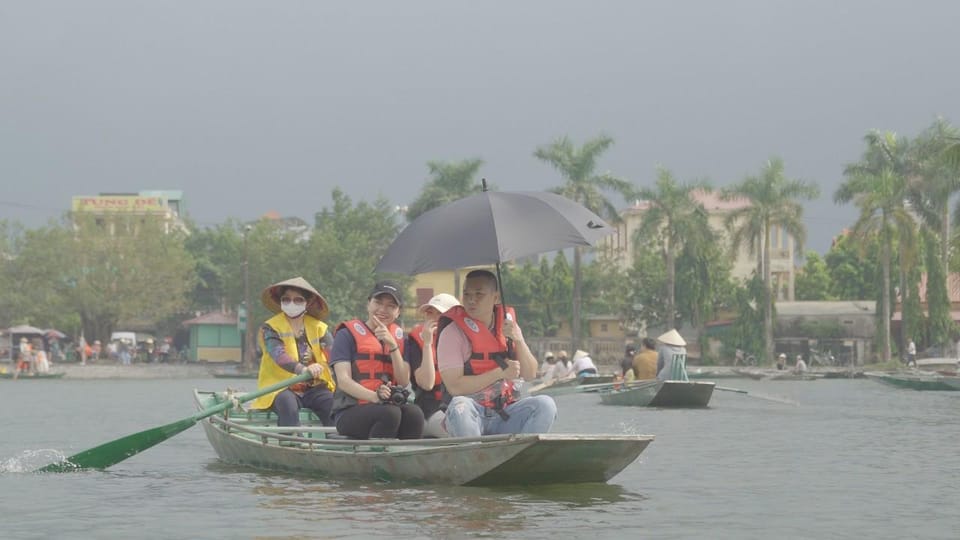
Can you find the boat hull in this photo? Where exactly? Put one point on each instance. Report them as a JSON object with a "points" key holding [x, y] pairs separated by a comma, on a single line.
{"points": [[917, 382], [680, 394], [250, 439], [30, 376]]}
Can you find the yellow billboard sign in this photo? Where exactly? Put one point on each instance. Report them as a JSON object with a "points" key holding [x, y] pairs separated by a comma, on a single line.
{"points": [[120, 203]]}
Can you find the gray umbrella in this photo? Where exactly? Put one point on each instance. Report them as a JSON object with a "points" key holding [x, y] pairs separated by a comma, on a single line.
{"points": [[489, 228]]}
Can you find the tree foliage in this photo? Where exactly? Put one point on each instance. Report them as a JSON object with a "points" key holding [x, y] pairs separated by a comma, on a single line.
{"points": [[813, 281]]}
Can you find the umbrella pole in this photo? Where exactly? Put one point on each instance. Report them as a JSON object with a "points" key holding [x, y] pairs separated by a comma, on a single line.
{"points": [[503, 308]]}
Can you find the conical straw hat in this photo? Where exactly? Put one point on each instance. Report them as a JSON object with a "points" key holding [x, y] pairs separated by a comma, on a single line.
{"points": [[271, 297], [672, 338]]}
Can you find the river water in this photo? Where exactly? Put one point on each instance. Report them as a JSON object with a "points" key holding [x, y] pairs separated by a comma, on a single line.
{"points": [[855, 459]]}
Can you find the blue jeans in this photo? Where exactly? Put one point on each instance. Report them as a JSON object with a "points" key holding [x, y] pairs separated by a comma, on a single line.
{"points": [[467, 418]]}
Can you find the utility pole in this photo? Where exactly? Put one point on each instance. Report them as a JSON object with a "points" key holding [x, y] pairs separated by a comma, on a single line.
{"points": [[247, 360]]}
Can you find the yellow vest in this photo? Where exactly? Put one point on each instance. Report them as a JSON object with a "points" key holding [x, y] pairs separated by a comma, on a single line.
{"points": [[271, 373]]}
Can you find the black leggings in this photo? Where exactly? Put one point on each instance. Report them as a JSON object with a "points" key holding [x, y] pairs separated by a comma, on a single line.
{"points": [[381, 421], [287, 405]]}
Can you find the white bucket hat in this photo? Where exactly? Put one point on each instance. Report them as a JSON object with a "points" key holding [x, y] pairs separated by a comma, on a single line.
{"points": [[441, 302], [672, 338], [579, 354]]}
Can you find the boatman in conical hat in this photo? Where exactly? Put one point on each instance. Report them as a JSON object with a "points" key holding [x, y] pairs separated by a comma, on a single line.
{"points": [[672, 357], [293, 341]]}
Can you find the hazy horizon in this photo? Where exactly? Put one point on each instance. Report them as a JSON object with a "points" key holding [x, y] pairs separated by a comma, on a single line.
{"points": [[250, 107]]}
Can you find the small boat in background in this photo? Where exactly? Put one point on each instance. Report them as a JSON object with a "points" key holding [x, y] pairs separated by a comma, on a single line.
{"points": [[916, 380], [235, 374], [26, 376], [791, 376], [679, 394], [251, 438]]}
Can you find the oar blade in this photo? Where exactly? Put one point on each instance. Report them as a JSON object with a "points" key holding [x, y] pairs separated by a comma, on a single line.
{"points": [[117, 450]]}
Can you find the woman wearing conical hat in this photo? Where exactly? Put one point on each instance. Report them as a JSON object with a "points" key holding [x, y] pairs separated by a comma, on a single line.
{"points": [[672, 357], [291, 342]]}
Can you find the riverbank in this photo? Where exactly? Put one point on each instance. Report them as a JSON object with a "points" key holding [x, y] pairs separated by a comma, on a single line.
{"points": [[135, 371]]}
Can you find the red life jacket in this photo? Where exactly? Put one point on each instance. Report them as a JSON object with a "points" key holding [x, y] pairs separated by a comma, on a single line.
{"points": [[436, 391], [488, 351], [372, 365]]}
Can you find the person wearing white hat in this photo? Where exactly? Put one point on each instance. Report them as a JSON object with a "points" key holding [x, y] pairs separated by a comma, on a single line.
{"points": [[672, 357], [293, 341], [782, 361], [801, 367], [420, 351], [583, 365]]}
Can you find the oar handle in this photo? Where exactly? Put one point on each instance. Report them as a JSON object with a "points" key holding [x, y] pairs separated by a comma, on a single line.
{"points": [[728, 389], [249, 396]]}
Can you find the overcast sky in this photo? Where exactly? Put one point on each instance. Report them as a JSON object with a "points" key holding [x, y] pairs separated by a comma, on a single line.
{"points": [[256, 106]]}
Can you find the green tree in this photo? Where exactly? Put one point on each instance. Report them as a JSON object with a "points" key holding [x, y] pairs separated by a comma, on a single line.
{"points": [[346, 245], [813, 281], [853, 275], [888, 159], [939, 322], [577, 166], [935, 182], [773, 203], [123, 269], [449, 181], [879, 198], [704, 270], [218, 258], [677, 221]]}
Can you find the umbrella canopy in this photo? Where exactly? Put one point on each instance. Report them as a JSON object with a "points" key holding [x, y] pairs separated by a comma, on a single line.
{"points": [[25, 330], [489, 228], [54, 333]]}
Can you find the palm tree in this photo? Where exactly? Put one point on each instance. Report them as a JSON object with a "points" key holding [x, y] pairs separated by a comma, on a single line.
{"points": [[886, 153], [679, 221], [773, 203], [450, 181], [582, 184], [879, 196], [937, 182]]}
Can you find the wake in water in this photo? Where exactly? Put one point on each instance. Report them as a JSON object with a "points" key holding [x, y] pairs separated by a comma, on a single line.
{"points": [[31, 460]]}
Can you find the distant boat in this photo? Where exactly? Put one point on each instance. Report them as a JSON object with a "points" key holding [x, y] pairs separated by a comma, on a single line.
{"points": [[251, 438], [235, 374], [916, 381], [687, 394], [29, 376], [711, 374]]}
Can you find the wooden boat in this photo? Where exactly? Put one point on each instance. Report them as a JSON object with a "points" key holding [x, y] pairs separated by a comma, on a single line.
{"points": [[689, 394], [26, 376], [749, 373], [790, 376], [235, 374], [916, 381], [712, 374], [251, 438], [591, 383]]}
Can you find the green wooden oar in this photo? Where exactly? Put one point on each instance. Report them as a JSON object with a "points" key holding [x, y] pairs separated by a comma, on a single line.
{"points": [[115, 451], [599, 387], [758, 396]]}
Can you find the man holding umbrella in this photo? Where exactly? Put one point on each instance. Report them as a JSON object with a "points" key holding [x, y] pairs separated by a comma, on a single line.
{"points": [[480, 352]]}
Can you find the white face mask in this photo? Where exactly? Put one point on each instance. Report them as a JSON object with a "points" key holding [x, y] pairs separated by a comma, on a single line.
{"points": [[293, 310]]}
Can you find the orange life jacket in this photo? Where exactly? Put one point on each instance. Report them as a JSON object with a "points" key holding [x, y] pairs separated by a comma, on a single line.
{"points": [[372, 365], [436, 392], [489, 350]]}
